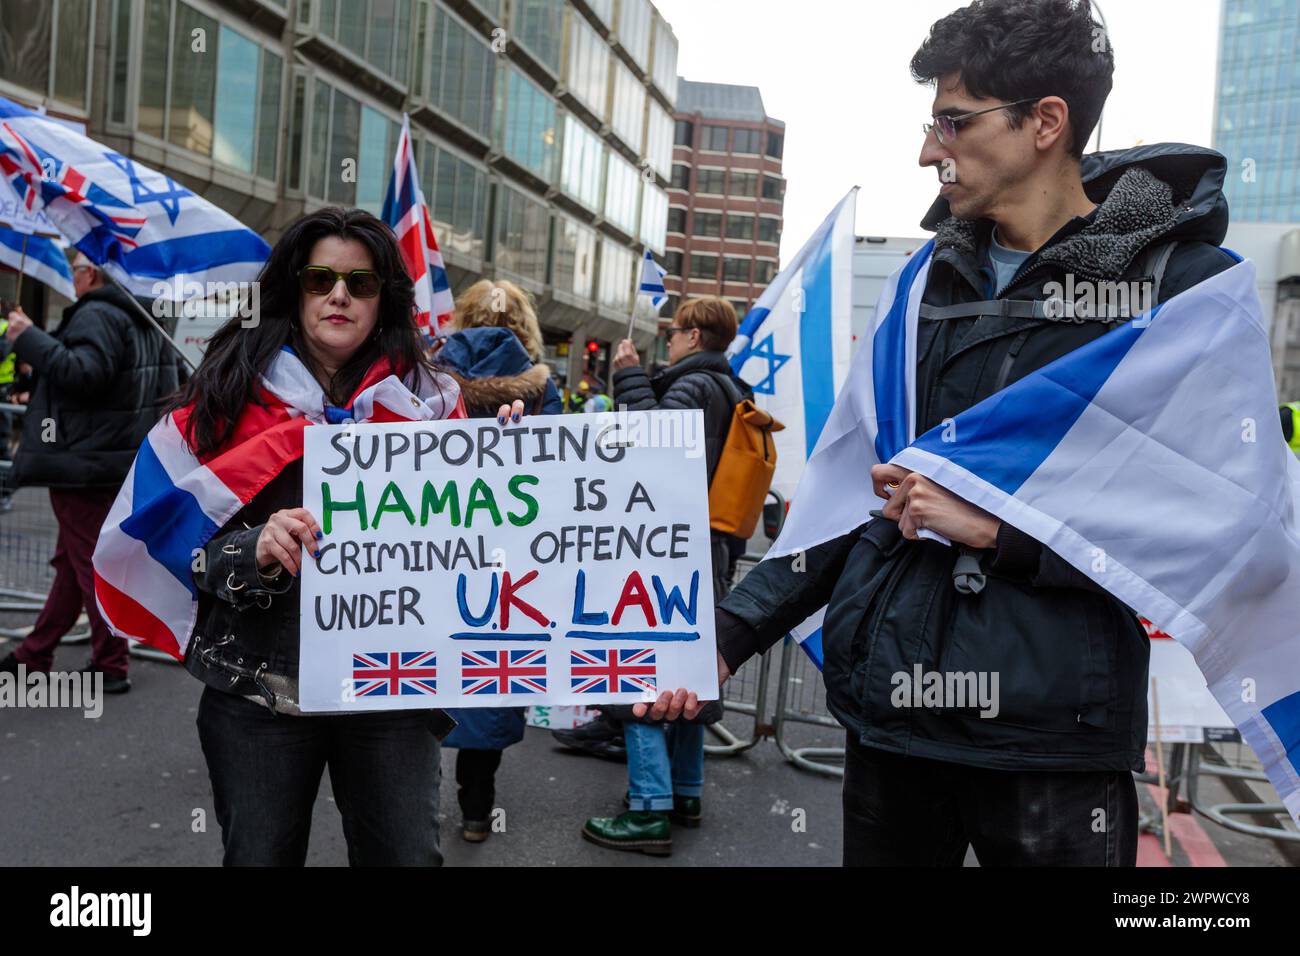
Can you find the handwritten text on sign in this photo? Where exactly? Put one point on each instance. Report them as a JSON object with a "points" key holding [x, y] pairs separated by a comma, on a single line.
{"points": [[564, 560]]}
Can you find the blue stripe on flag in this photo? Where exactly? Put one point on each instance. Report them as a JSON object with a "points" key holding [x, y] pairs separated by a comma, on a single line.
{"points": [[889, 363], [1284, 717], [812, 646], [166, 519], [1007, 436], [816, 351], [187, 254], [39, 249]]}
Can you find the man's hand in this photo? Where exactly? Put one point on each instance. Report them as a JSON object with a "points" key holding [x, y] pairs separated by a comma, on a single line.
{"points": [[916, 502], [681, 703], [626, 356], [18, 324]]}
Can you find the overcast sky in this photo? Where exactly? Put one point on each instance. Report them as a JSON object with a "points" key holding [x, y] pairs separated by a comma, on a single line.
{"points": [[836, 71]]}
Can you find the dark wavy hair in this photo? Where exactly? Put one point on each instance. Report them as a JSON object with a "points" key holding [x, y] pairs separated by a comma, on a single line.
{"points": [[1015, 49], [228, 377]]}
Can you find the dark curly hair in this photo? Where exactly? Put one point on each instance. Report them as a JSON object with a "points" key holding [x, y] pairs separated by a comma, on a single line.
{"points": [[1016, 49], [227, 378]]}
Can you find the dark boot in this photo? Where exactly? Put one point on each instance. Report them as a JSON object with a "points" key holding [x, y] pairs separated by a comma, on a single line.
{"points": [[599, 738], [113, 683], [636, 831], [685, 811]]}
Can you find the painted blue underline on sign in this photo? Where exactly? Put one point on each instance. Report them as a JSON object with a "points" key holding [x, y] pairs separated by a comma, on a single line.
{"points": [[497, 636], [634, 635]]}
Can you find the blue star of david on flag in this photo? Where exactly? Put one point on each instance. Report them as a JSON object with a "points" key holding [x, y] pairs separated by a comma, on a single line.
{"points": [[767, 351], [169, 199]]}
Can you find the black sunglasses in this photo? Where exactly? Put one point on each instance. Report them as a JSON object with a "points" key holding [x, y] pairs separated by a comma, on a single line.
{"points": [[945, 127], [320, 280]]}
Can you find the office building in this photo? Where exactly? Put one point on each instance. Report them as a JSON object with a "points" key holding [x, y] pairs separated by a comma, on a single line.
{"points": [[726, 197], [1257, 108], [542, 128]]}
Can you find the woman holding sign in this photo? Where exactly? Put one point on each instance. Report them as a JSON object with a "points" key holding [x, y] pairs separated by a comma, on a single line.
{"points": [[334, 342]]}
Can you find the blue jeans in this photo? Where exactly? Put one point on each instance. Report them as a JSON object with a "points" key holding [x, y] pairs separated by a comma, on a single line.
{"points": [[663, 760]]}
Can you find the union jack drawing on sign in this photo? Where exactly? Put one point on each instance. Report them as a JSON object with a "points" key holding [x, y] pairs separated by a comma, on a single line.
{"points": [[612, 671], [503, 672], [394, 673]]}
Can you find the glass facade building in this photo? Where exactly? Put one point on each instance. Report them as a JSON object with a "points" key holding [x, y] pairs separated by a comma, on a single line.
{"points": [[542, 128], [1257, 114]]}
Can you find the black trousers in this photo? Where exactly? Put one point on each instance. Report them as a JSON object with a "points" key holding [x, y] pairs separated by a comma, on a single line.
{"points": [[910, 811], [266, 769], [476, 777]]}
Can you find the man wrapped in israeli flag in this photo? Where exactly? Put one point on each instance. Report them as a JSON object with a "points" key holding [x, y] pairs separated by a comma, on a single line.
{"points": [[1071, 384]]}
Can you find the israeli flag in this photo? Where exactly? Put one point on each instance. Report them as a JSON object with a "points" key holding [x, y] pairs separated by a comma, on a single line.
{"points": [[140, 226], [1151, 459], [652, 281], [794, 345], [37, 257]]}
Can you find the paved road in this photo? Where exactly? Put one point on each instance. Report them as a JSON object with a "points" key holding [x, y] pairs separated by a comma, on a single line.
{"points": [[124, 790]]}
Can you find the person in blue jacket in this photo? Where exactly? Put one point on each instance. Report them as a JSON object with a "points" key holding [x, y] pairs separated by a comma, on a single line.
{"points": [[494, 349]]}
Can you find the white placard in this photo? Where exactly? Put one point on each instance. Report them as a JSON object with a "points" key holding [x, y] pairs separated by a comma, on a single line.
{"points": [[560, 718], [1187, 707], [565, 560]]}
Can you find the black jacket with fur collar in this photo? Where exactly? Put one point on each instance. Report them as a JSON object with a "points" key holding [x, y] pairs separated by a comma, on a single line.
{"points": [[1070, 660]]}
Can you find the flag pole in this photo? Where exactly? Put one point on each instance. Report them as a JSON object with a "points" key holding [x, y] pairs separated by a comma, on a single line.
{"points": [[147, 317], [631, 319], [22, 264]]}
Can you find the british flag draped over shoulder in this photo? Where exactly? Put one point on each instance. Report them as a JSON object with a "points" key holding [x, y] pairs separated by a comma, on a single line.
{"points": [[1151, 459], [172, 501]]}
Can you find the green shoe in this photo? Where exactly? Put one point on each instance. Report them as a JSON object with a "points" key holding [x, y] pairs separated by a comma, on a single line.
{"points": [[686, 812], [639, 831]]}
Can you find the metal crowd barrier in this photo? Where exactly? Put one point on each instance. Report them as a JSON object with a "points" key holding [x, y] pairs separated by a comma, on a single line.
{"points": [[1221, 813], [768, 711], [744, 694], [29, 534]]}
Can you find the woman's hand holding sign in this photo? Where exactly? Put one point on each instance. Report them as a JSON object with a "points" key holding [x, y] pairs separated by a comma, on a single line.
{"points": [[916, 502], [285, 530], [280, 537], [514, 413]]}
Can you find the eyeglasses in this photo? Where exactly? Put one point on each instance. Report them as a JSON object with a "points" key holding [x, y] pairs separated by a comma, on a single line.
{"points": [[945, 127], [320, 280], [673, 330]]}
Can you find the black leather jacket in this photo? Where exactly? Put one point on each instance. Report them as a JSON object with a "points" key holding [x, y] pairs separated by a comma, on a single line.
{"points": [[246, 636]]}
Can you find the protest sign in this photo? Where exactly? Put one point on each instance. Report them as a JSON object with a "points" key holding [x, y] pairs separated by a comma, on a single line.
{"points": [[1187, 708], [564, 560]]}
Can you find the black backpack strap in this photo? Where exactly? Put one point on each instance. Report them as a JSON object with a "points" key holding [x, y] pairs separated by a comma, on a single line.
{"points": [[1151, 264], [1009, 308]]}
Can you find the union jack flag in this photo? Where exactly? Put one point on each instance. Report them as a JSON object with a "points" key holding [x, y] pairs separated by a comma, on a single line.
{"points": [[503, 672], [394, 673], [35, 174], [405, 210], [612, 671]]}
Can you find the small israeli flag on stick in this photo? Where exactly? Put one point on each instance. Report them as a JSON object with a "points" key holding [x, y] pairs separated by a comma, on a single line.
{"points": [[651, 284]]}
